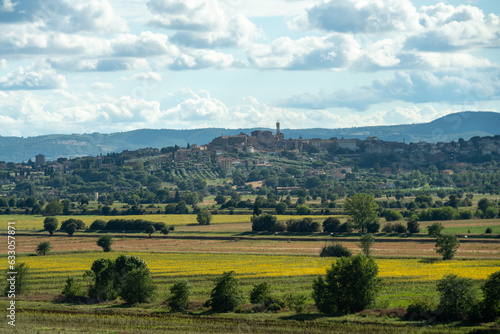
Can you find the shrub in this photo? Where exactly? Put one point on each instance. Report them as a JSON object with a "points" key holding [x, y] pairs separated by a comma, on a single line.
{"points": [[413, 226], [20, 286], [105, 242], [491, 292], [335, 250], [459, 298], [72, 288], [466, 214], [399, 228], [204, 217], [263, 222], [303, 225], [97, 225], [227, 294], [43, 248], [50, 224], [303, 210], [281, 208], [392, 215], [435, 230], [489, 230], [331, 225], [447, 245], [345, 227], [165, 230], [350, 285], [260, 293], [178, 301], [373, 227], [421, 308], [388, 228]]}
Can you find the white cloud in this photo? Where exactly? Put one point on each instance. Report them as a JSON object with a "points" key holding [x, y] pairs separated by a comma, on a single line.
{"points": [[414, 87], [354, 16], [3, 64], [36, 76], [99, 65], [102, 86], [202, 23], [144, 45], [200, 59], [448, 28], [148, 76], [332, 51]]}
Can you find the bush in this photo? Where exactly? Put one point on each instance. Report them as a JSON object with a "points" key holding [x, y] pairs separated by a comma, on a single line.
{"points": [[399, 228], [466, 214], [80, 225], [373, 227], [260, 293], [227, 294], [178, 301], [50, 224], [331, 225], [265, 222], [72, 288], [392, 215], [459, 298], [489, 230], [204, 217], [447, 245], [388, 228], [413, 226], [335, 250], [43, 248], [345, 227], [97, 225], [306, 225], [491, 292], [350, 285], [303, 210], [421, 308], [105, 242], [165, 230], [435, 230], [20, 286]]}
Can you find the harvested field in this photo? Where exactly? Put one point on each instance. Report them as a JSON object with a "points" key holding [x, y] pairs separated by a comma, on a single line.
{"points": [[380, 249]]}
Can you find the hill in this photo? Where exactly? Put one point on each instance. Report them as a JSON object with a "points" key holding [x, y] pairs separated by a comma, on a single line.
{"points": [[451, 127]]}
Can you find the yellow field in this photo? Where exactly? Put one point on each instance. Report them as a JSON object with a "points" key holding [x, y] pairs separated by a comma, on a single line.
{"points": [[182, 264], [27, 222]]}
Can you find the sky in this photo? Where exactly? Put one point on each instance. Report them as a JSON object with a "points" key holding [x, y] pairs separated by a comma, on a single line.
{"points": [[84, 66]]}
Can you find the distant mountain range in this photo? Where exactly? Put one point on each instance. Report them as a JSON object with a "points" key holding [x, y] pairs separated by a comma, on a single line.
{"points": [[451, 127]]}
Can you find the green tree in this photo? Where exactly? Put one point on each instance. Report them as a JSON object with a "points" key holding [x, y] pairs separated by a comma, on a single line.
{"points": [[165, 230], [43, 248], [70, 229], [20, 285], [413, 226], [331, 225], [362, 209], [459, 298], [204, 217], [281, 208], [350, 285], [72, 288], [137, 286], [105, 242], [178, 301], [101, 275], [303, 210], [435, 230], [54, 208], [150, 229], [227, 293], [491, 292], [365, 243], [260, 292], [50, 224], [335, 250], [447, 245]]}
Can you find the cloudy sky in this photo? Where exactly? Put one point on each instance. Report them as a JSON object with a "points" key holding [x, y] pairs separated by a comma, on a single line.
{"points": [[82, 66]]}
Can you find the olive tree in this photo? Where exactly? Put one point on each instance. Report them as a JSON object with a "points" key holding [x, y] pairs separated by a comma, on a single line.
{"points": [[350, 285]]}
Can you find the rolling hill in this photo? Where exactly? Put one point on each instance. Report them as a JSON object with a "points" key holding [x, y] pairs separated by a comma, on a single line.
{"points": [[451, 127]]}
